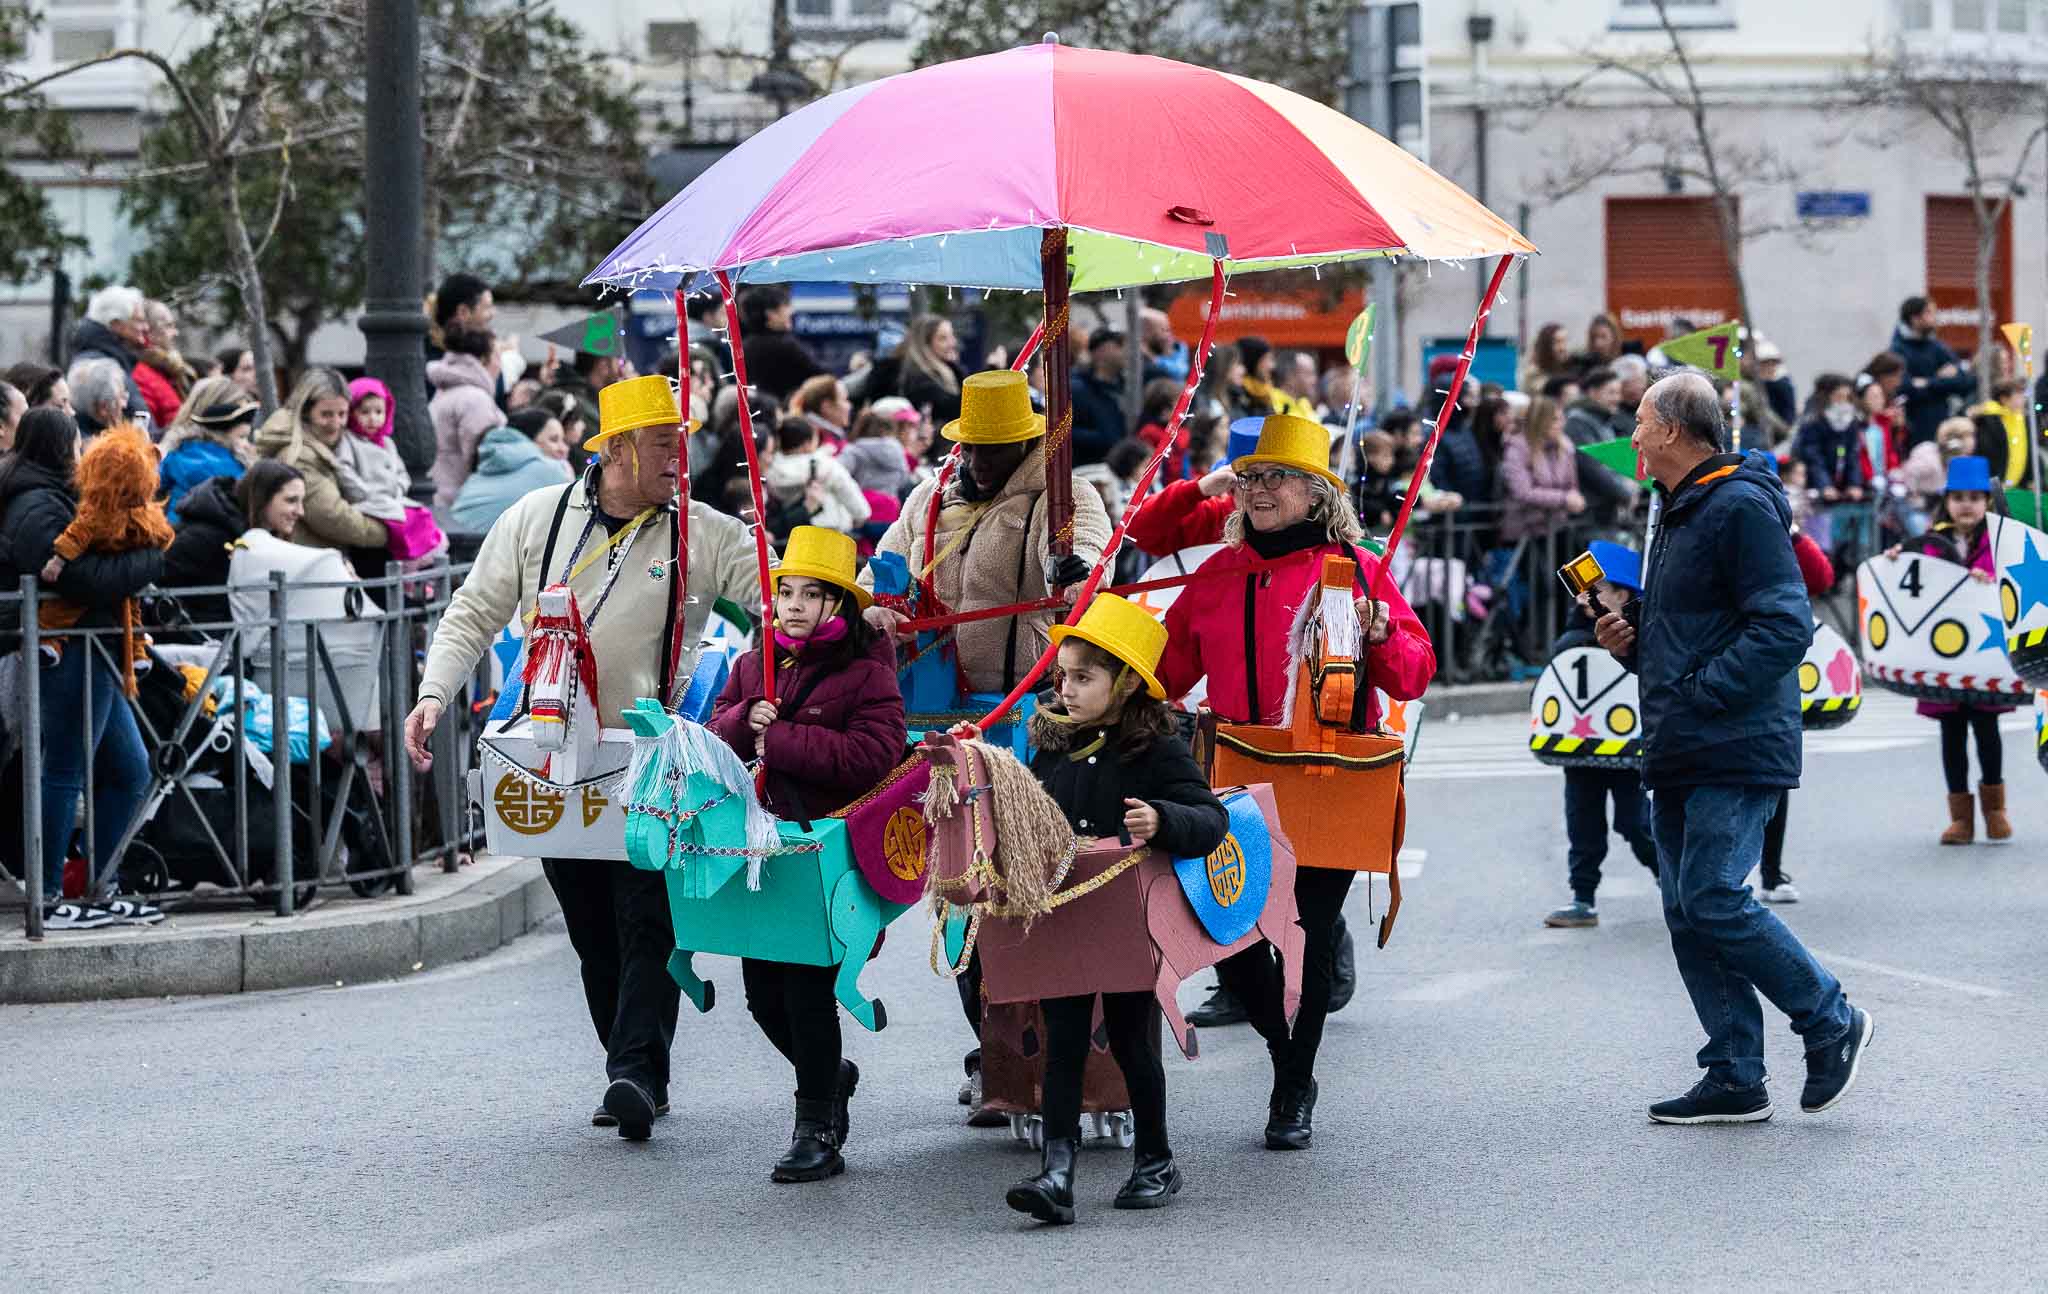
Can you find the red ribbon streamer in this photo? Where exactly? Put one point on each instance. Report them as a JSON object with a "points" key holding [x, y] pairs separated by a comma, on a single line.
{"points": [[1180, 410], [739, 374]]}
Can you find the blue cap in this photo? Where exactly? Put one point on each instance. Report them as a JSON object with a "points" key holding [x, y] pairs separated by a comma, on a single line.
{"points": [[1623, 566], [1244, 438], [1969, 472]]}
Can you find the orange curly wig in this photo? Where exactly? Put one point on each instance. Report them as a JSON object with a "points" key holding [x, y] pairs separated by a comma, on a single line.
{"points": [[117, 483]]}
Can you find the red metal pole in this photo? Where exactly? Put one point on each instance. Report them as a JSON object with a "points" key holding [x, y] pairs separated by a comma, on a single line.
{"points": [[679, 588], [1059, 401], [739, 374]]}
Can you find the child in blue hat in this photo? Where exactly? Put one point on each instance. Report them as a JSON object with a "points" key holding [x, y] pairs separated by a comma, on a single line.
{"points": [[1960, 535], [1588, 790]]}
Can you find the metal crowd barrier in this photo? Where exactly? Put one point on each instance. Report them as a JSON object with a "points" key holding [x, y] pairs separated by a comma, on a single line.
{"points": [[359, 700]]}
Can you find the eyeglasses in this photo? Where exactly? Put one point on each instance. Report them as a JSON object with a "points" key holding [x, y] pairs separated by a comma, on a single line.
{"points": [[1269, 479]]}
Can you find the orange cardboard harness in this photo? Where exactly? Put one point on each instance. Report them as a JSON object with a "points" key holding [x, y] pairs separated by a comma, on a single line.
{"points": [[1338, 786]]}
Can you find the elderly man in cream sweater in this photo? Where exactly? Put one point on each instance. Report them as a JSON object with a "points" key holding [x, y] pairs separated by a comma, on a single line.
{"points": [[612, 536]]}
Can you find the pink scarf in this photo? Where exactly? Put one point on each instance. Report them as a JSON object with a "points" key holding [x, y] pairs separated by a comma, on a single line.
{"points": [[829, 632]]}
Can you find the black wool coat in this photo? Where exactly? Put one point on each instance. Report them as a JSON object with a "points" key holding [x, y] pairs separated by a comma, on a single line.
{"points": [[1091, 789]]}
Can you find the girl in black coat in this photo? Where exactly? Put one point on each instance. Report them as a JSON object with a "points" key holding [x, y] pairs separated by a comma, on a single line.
{"points": [[1108, 755]]}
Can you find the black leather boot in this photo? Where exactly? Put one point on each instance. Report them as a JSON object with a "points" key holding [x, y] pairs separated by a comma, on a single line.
{"points": [[813, 1147], [1293, 1109], [1344, 978], [1154, 1181], [849, 1078], [1049, 1197]]}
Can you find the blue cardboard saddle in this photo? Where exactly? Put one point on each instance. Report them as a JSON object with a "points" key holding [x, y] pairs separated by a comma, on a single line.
{"points": [[1228, 888]]}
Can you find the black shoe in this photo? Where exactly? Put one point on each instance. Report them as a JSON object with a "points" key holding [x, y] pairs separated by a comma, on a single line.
{"points": [[1221, 1008], [849, 1078], [1344, 978], [1154, 1181], [1049, 1197], [813, 1148], [1831, 1070], [632, 1108], [602, 1118], [1293, 1112], [1709, 1102]]}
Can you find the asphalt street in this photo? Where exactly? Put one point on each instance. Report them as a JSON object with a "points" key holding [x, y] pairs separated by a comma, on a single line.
{"points": [[1481, 1123]]}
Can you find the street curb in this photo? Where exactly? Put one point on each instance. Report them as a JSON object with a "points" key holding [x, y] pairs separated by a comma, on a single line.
{"points": [[369, 945], [1472, 700]]}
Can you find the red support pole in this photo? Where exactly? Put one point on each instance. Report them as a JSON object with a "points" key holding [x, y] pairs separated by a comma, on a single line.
{"points": [[739, 374], [1450, 406], [679, 588], [1116, 539], [1059, 401]]}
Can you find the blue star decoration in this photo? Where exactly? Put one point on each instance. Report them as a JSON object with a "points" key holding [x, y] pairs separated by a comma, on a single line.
{"points": [[1994, 632], [2030, 575], [506, 648]]}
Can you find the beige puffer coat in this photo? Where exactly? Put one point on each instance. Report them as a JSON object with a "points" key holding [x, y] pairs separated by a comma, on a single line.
{"points": [[996, 565], [331, 521], [627, 637]]}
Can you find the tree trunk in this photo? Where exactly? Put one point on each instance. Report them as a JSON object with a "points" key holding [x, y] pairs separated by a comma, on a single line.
{"points": [[248, 278], [1987, 242]]}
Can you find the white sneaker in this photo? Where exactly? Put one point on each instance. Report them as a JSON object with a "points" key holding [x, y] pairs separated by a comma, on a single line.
{"points": [[1784, 893], [77, 916], [134, 912]]}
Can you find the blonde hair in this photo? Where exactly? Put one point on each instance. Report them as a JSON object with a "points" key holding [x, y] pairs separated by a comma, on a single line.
{"points": [[919, 357], [1543, 427], [1955, 436], [1328, 505], [205, 393]]}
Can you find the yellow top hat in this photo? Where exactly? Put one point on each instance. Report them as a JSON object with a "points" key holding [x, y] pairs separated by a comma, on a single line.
{"points": [[995, 409], [820, 554], [1125, 631], [1288, 441], [637, 402]]}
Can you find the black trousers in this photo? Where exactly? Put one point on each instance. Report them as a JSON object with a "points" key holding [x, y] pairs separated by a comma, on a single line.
{"points": [[1132, 1022], [1774, 843], [796, 1009], [1955, 748], [619, 926], [1254, 978], [1586, 792]]}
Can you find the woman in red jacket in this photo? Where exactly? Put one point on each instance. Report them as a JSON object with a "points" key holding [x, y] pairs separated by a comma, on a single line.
{"points": [[833, 731], [1233, 629]]}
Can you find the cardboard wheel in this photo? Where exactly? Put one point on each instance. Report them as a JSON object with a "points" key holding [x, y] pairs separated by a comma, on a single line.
{"points": [[1036, 1126]]}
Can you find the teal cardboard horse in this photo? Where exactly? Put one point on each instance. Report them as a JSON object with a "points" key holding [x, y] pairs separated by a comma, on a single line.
{"points": [[743, 883]]}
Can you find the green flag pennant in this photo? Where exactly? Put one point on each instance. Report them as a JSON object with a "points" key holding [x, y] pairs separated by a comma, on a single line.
{"points": [[1717, 350], [1617, 455], [2025, 506], [597, 333]]}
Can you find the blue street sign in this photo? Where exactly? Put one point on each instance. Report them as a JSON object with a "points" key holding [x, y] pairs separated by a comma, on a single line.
{"points": [[1833, 204]]}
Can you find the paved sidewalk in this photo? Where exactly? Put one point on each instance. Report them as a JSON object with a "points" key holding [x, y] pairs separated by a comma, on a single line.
{"points": [[1470, 700], [229, 947]]}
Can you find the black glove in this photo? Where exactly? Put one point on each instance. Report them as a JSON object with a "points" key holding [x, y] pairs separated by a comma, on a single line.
{"points": [[1068, 570]]}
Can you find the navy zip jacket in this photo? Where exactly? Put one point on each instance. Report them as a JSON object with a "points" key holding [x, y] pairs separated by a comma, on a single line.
{"points": [[1724, 624]]}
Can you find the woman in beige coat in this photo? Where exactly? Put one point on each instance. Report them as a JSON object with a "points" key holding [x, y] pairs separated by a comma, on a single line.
{"points": [[304, 434]]}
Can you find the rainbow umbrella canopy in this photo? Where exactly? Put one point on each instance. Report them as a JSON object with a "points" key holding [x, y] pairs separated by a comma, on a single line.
{"points": [[951, 174]]}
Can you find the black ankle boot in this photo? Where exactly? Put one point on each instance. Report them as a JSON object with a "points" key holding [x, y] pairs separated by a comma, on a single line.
{"points": [[849, 1078], [1153, 1183], [1049, 1197], [813, 1147], [1293, 1108]]}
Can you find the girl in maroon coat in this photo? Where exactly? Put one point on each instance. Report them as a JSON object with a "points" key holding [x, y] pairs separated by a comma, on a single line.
{"points": [[832, 731]]}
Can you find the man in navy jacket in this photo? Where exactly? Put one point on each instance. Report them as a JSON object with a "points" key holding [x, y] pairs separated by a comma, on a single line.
{"points": [[1935, 378], [1716, 643]]}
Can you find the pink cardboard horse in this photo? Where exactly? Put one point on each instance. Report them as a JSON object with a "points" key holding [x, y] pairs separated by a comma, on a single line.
{"points": [[1057, 917]]}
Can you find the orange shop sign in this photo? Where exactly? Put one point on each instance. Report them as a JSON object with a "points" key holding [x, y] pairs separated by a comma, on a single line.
{"points": [[1301, 319]]}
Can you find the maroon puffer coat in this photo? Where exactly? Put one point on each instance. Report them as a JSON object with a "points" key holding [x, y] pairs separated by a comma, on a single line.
{"points": [[844, 734]]}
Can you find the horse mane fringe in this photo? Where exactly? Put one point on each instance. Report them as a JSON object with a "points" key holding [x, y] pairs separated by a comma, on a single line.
{"points": [[1325, 624], [687, 748], [652, 759], [1033, 837], [942, 794]]}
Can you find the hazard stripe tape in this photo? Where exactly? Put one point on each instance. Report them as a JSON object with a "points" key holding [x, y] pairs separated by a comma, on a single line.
{"points": [[2031, 638], [1833, 703], [1555, 745]]}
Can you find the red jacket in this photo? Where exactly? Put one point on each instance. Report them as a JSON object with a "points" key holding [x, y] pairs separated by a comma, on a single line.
{"points": [[1814, 566], [844, 735], [159, 395], [1178, 517], [1211, 631]]}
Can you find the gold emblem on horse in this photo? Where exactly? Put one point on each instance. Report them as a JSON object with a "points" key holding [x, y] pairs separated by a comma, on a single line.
{"points": [[1226, 871], [903, 843], [527, 809], [594, 804]]}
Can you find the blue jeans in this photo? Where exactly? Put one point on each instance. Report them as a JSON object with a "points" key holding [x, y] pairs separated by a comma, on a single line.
{"points": [[1586, 791], [1729, 947], [106, 735]]}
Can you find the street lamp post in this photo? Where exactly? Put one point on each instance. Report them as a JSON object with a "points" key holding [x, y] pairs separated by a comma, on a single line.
{"points": [[394, 327]]}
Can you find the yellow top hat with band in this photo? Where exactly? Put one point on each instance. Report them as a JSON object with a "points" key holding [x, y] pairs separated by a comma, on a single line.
{"points": [[820, 554], [1288, 441], [1125, 631], [995, 409], [637, 402]]}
